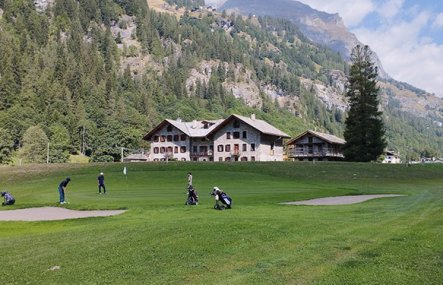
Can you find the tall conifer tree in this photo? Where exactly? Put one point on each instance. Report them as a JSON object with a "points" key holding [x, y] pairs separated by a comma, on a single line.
{"points": [[364, 132]]}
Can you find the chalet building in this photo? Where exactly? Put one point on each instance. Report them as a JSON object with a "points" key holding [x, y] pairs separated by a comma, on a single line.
{"points": [[236, 138], [391, 157], [315, 146]]}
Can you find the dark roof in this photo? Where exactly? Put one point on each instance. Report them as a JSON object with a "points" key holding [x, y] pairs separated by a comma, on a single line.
{"points": [[327, 137]]}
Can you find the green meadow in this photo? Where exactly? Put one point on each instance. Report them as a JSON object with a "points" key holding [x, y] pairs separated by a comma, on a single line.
{"points": [[159, 240]]}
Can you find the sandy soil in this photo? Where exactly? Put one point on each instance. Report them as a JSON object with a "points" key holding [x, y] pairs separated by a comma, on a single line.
{"points": [[52, 214], [341, 200]]}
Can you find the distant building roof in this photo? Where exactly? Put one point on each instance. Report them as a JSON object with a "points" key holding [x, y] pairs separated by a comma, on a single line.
{"points": [[136, 157], [327, 137]]}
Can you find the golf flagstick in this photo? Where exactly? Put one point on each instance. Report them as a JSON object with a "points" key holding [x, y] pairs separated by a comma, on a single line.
{"points": [[126, 177]]}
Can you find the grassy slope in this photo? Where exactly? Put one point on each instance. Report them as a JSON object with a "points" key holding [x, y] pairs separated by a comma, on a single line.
{"points": [[161, 241]]}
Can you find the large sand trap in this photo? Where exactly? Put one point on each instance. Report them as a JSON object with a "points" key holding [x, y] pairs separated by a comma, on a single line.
{"points": [[52, 214], [341, 200]]}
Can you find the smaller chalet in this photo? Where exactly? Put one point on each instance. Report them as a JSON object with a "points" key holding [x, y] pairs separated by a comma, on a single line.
{"points": [[391, 157], [136, 157], [315, 146]]}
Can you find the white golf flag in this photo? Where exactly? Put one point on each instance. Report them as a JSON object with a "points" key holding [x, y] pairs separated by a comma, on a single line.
{"points": [[124, 170]]}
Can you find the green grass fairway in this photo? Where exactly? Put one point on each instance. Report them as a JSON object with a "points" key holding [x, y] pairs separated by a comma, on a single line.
{"points": [[159, 240]]}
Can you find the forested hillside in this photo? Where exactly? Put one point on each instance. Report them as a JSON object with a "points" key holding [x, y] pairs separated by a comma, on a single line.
{"points": [[92, 76]]}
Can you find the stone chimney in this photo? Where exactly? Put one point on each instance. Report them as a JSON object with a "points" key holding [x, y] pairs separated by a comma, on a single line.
{"points": [[253, 116], [194, 124], [179, 120]]}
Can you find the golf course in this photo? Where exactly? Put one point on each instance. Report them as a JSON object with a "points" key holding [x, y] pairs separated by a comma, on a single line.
{"points": [[159, 240]]}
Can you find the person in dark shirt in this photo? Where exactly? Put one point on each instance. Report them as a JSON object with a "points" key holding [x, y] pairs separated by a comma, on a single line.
{"points": [[9, 199], [62, 188], [101, 183]]}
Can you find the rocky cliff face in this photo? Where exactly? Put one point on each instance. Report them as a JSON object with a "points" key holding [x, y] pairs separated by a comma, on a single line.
{"points": [[329, 30], [320, 27]]}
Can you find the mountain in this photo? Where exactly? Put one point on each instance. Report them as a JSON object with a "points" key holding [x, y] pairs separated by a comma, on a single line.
{"points": [[93, 76], [329, 30], [320, 27]]}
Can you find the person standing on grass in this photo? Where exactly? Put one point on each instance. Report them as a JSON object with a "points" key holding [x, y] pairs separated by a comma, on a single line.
{"points": [[101, 183], [189, 179], [62, 188]]}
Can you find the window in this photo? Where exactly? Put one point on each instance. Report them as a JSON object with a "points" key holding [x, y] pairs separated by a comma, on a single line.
{"points": [[176, 137], [236, 124], [272, 145], [169, 149], [162, 150], [183, 137], [244, 158], [176, 149], [220, 148], [309, 139], [169, 128], [228, 135], [252, 158], [236, 135], [169, 138], [155, 149], [228, 148], [245, 134], [162, 138], [228, 159], [182, 149], [155, 159], [183, 159], [194, 148], [252, 146], [155, 138], [220, 159], [211, 159], [244, 147]]}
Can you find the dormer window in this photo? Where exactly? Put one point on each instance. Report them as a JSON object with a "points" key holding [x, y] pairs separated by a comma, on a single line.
{"points": [[169, 128]]}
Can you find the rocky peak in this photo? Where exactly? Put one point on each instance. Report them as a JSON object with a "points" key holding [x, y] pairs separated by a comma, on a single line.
{"points": [[320, 27]]}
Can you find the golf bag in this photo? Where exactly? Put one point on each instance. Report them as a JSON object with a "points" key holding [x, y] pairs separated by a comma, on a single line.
{"points": [[192, 196], [222, 200], [9, 199]]}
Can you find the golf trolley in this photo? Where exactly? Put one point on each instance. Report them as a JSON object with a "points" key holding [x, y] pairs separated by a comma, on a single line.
{"points": [[222, 200], [192, 196]]}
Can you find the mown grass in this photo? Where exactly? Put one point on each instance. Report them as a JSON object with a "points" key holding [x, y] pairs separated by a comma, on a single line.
{"points": [[161, 241]]}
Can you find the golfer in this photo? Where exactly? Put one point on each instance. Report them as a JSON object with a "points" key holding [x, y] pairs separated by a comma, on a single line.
{"points": [[9, 199], [189, 179], [101, 183], [62, 188]]}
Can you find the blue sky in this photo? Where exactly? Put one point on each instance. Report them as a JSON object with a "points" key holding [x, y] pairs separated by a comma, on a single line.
{"points": [[407, 35]]}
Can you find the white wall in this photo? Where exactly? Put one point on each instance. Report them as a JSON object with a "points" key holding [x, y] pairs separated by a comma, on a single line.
{"points": [[162, 156]]}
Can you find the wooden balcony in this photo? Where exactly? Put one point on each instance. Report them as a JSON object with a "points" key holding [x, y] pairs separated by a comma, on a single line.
{"points": [[309, 154]]}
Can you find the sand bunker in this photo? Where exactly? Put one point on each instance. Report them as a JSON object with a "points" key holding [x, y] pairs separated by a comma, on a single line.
{"points": [[341, 200], [52, 214]]}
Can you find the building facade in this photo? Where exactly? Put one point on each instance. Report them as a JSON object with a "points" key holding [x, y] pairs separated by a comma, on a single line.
{"points": [[236, 138], [315, 146]]}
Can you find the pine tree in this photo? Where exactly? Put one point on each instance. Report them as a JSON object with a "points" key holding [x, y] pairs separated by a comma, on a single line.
{"points": [[365, 131], [34, 145]]}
